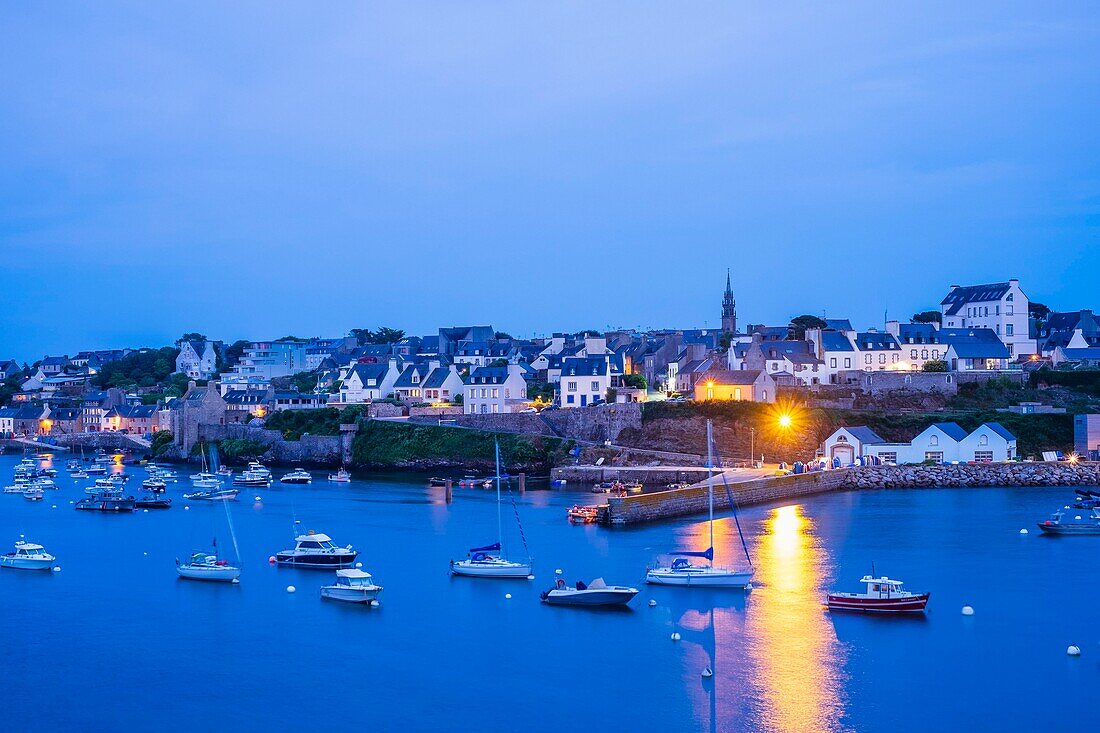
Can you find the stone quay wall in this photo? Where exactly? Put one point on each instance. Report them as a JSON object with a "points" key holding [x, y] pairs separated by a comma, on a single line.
{"points": [[107, 441], [580, 476], [310, 449], [660, 505], [586, 424]]}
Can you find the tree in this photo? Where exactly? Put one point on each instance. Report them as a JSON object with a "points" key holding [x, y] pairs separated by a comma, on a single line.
{"points": [[361, 335], [935, 365], [635, 381], [233, 354], [498, 363], [798, 326], [387, 335], [502, 336], [304, 381], [725, 340], [9, 387], [193, 337], [291, 338], [590, 333], [1038, 311], [927, 317], [144, 368]]}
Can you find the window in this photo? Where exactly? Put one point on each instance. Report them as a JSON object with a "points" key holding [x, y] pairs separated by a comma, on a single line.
{"points": [[913, 353], [737, 393], [934, 440], [496, 393], [894, 358], [832, 363], [1009, 330], [1009, 298], [998, 329], [1008, 309], [571, 386], [595, 386], [983, 456], [934, 456], [867, 359], [889, 457], [935, 353], [847, 362], [882, 358], [569, 399]]}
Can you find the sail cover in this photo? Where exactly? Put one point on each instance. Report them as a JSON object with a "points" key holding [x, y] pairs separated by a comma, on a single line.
{"points": [[495, 547], [707, 553]]}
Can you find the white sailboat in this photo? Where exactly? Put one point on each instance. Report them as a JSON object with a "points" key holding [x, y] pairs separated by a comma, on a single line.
{"points": [[683, 572], [209, 565], [491, 561]]}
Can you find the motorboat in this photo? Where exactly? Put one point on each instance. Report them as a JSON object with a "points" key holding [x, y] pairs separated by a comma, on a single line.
{"points": [[352, 586], [73, 465], [437, 482], [219, 494], [27, 556], [579, 514], [1073, 520], [34, 494], [316, 550], [204, 476], [257, 467], [473, 482], [297, 476], [78, 474], [485, 562], [153, 501], [208, 566], [619, 488], [44, 482], [596, 593], [96, 470], [491, 561], [154, 483], [683, 572], [254, 479], [883, 595], [224, 471], [107, 501], [340, 477], [18, 485]]}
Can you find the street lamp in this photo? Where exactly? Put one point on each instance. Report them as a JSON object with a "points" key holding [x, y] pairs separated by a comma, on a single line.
{"points": [[752, 447], [784, 421]]}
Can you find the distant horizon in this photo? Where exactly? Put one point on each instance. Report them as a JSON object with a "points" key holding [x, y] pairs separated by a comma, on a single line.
{"points": [[542, 167]]}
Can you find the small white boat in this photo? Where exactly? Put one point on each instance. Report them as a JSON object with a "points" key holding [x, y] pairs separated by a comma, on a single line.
{"points": [[224, 471], [219, 494], [204, 476], [96, 470], [254, 479], [44, 482], [27, 556], [78, 474], [207, 566], [259, 468], [154, 483], [482, 562], [596, 593], [34, 494], [297, 476], [340, 477], [352, 586]]}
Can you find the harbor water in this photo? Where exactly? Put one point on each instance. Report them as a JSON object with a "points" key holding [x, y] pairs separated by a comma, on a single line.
{"points": [[115, 641]]}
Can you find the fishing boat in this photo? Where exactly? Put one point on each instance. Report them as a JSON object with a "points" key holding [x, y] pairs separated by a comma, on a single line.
{"points": [[211, 566], [596, 593], [1073, 520], [27, 556], [257, 467], [254, 479], [297, 476], [883, 595], [352, 586], [491, 561], [219, 494], [316, 550], [153, 501], [34, 494], [107, 501], [340, 477], [683, 572], [579, 514]]}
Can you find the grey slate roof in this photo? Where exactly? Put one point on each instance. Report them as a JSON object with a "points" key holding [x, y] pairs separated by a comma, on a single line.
{"points": [[835, 341], [959, 297], [876, 341]]}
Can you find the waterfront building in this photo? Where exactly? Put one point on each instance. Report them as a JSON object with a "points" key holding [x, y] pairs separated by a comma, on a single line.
{"points": [[7, 421], [944, 442], [1000, 307], [198, 406], [290, 400], [368, 382], [495, 389], [1083, 357], [584, 381], [131, 419], [443, 384]]}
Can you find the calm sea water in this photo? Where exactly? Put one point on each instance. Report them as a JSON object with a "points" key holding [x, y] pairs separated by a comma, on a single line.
{"points": [[116, 642]]}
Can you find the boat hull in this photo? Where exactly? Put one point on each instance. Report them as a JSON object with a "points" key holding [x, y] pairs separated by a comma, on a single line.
{"points": [[491, 570], [350, 595], [915, 603], [699, 578], [601, 597], [1070, 529], [106, 505], [25, 563], [321, 562], [223, 574]]}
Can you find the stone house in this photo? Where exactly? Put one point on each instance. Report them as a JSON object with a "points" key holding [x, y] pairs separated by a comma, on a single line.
{"points": [[198, 406]]}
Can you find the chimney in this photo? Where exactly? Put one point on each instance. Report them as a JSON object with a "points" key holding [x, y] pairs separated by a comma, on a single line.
{"points": [[893, 328]]}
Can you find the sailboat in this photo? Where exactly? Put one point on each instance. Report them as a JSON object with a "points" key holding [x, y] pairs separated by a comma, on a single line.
{"points": [[491, 561], [209, 566], [683, 572]]}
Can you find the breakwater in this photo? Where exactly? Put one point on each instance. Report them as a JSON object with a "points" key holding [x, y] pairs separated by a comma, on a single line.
{"points": [[642, 508]]}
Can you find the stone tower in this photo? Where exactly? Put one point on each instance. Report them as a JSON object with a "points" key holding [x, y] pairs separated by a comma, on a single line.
{"points": [[729, 308]]}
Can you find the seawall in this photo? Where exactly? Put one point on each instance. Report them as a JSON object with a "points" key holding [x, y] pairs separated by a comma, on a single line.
{"points": [[641, 508]]}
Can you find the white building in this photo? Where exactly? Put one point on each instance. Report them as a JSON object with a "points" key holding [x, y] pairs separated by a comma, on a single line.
{"points": [[584, 381], [197, 359], [1002, 307], [495, 389], [938, 443], [848, 444], [990, 442], [368, 382], [264, 360]]}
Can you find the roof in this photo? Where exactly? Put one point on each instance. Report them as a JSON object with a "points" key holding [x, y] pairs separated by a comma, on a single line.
{"points": [[979, 349], [951, 428], [734, 377], [367, 372], [838, 324], [588, 365], [353, 573], [313, 536], [244, 396], [1082, 354], [865, 435], [436, 378], [876, 341], [920, 333], [959, 297], [999, 429], [406, 377], [835, 341]]}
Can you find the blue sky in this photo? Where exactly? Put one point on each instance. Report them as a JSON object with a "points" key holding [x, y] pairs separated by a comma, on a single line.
{"points": [[259, 169]]}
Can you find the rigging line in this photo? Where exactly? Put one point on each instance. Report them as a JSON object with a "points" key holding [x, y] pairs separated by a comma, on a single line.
{"points": [[736, 520], [515, 509], [232, 532]]}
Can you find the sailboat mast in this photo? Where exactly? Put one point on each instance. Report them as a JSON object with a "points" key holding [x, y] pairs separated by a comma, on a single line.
{"points": [[710, 485], [500, 524]]}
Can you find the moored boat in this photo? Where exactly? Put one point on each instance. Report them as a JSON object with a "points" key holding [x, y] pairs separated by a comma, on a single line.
{"points": [[107, 501], [596, 593], [1073, 520], [316, 550], [297, 476], [883, 595], [153, 501], [27, 556], [219, 494], [208, 566], [340, 477], [485, 562], [437, 482], [352, 586], [154, 484], [254, 479], [579, 514], [34, 494]]}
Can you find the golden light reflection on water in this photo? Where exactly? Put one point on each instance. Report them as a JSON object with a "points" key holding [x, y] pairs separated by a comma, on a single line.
{"points": [[796, 668]]}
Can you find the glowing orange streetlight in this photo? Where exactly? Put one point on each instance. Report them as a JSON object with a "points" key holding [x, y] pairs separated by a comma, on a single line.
{"points": [[784, 421], [45, 424]]}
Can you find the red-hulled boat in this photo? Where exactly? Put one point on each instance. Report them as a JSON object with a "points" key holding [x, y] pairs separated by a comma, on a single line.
{"points": [[579, 514], [883, 595]]}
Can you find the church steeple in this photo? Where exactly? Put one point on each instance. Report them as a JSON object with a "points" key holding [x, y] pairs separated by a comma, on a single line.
{"points": [[729, 308]]}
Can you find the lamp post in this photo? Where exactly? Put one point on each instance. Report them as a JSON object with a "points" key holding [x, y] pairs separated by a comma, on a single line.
{"points": [[752, 447]]}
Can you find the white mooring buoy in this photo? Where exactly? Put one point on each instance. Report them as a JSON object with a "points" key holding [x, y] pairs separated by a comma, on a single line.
{"points": [[968, 611], [290, 589], [358, 564], [1023, 531], [652, 603], [707, 672], [530, 577], [1073, 650], [57, 568], [508, 596], [258, 499], [675, 636], [557, 572], [187, 509], [235, 581], [375, 604]]}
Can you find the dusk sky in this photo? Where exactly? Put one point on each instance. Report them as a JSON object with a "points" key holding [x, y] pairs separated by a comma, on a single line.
{"points": [[253, 170]]}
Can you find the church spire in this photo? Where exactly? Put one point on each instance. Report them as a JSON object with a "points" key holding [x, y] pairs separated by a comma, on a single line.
{"points": [[729, 308]]}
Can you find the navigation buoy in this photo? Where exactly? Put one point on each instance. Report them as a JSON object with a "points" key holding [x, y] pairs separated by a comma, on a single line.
{"points": [[54, 506], [675, 636], [1023, 531], [144, 511], [968, 611], [258, 499], [271, 560], [707, 672], [1073, 650], [145, 553], [652, 602], [1077, 517], [557, 572], [508, 596], [290, 589]]}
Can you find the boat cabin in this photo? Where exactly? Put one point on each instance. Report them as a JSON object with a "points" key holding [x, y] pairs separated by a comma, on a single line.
{"points": [[883, 586], [315, 542], [354, 578]]}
